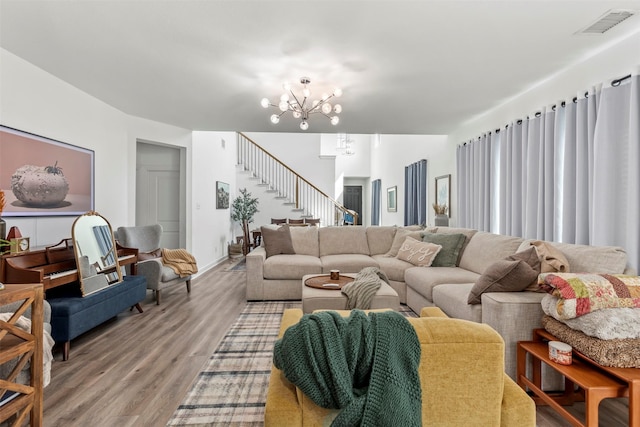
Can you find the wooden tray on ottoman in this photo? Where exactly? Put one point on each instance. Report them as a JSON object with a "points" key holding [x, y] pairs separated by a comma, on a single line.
{"points": [[321, 281]]}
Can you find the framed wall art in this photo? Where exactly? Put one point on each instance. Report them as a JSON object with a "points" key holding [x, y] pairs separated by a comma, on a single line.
{"points": [[392, 198], [443, 192], [222, 195], [44, 177]]}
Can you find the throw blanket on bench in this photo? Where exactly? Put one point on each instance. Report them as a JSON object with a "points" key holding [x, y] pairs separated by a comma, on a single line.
{"points": [[618, 353], [361, 291], [181, 261], [365, 365], [583, 293]]}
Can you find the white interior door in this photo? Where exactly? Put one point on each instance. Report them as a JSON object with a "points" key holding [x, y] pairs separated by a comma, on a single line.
{"points": [[159, 192]]}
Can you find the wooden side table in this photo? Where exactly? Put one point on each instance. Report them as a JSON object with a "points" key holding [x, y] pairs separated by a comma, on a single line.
{"points": [[597, 382], [25, 346]]}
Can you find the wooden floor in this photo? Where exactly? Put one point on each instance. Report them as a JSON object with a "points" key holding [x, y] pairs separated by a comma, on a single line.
{"points": [[136, 369]]}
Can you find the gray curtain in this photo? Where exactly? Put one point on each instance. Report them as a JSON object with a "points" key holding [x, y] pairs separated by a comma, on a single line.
{"points": [[616, 170], [476, 174], [415, 193], [376, 193], [568, 174]]}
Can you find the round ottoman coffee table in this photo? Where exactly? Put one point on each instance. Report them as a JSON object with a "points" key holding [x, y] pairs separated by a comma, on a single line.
{"points": [[330, 298]]}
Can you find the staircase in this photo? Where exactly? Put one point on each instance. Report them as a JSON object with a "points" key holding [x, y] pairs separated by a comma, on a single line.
{"points": [[287, 185]]}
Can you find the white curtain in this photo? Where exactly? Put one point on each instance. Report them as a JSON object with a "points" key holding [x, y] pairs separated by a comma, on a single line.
{"points": [[570, 173], [475, 198], [616, 173]]}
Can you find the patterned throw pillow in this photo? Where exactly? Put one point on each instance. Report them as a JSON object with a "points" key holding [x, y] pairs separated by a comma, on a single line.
{"points": [[418, 253], [399, 238]]}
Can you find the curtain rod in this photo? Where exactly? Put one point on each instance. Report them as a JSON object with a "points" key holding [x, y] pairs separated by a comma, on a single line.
{"points": [[617, 82], [614, 83]]}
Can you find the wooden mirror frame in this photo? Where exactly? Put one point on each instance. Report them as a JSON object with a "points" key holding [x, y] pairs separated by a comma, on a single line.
{"points": [[95, 252]]}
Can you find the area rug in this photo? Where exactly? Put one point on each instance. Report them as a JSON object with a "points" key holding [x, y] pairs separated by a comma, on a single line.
{"points": [[231, 389]]}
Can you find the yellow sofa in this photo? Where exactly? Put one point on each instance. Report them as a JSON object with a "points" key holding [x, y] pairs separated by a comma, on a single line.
{"points": [[461, 374]]}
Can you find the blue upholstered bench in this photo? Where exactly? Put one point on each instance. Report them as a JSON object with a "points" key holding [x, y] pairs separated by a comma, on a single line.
{"points": [[73, 315]]}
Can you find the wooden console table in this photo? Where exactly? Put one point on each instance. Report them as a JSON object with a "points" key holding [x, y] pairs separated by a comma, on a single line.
{"points": [[16, 343], [596, 381]]}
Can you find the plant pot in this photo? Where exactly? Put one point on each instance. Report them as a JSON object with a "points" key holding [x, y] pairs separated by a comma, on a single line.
{"points": [[442, 220]]}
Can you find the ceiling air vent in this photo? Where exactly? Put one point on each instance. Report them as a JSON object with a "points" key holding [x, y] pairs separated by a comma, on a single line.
{"points": [[607, 21]]}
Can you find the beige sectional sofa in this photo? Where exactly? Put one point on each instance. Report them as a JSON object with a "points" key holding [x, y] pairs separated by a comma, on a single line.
{"points": [[512, 314]]}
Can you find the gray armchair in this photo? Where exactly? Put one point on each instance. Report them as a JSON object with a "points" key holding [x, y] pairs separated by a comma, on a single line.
{"points": [[146, 238]]}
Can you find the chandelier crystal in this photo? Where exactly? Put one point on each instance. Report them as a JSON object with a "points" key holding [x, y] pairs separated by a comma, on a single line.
{"points": [[301, 107]]}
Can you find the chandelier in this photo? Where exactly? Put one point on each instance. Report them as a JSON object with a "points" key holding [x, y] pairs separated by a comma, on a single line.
{"points": [[344, 144], [302, 107]]}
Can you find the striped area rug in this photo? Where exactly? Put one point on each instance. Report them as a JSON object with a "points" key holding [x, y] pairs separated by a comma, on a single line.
{"points": [[232, 387]]}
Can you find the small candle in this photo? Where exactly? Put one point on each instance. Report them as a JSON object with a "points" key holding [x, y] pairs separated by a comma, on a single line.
{"points": [[335, 275]]}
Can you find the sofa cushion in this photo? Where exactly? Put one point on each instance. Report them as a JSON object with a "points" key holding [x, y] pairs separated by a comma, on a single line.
{"points": [[380, 239], [277, 240], [486, 248], [343, 240], [452, 299], [418, 253], [512, 274], [346, 263], [398, 239], [291, 266], [305, 240], [423, 280], [592, 259], [394, 268], [451, 245]]}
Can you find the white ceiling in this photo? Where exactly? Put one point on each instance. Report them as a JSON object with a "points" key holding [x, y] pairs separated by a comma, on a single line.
{"points": [[406, 67]]}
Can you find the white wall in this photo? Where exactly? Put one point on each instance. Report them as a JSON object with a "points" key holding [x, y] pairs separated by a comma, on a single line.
{"points": [[394, 152], [616, 60], [37, 102], [214, 155]]}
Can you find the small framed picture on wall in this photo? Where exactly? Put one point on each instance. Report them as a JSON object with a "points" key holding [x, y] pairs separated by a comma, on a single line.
{"points": [[443, 192], [222, 195], [392, 199]]}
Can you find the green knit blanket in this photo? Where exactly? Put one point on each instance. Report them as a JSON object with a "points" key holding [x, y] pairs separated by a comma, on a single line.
{"points": [[365, 365]]}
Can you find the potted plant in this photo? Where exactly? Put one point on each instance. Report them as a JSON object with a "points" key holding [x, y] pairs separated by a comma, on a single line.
{"points": [[441, 219], [242, 210]]}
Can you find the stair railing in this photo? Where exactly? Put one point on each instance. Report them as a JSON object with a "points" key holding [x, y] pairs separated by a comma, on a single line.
{"points": [[290, 186]]}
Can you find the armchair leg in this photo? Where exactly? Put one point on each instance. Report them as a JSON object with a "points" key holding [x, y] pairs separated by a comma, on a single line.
{"points": [[157, 297], [189, 286]]}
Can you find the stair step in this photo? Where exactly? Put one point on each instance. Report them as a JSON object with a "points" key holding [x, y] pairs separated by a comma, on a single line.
{"points": [[263, 184], [289, 203], [297, 210], [272, 191]]}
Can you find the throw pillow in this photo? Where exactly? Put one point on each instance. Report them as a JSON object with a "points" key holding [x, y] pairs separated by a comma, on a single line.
{"points": [[512, 274], [398, 240], [451, 245], [551, 260], [277, 240], [418, 253]]}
